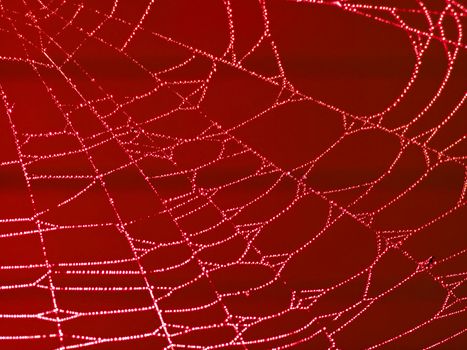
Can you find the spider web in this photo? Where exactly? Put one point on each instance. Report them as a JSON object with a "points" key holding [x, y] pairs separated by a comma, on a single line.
{"points": [[232, 174]]}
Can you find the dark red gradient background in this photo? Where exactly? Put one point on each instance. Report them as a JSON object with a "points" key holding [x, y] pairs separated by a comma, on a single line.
{"points": [[233, 174]]}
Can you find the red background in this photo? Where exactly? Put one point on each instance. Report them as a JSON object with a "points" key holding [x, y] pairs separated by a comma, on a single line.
{"points": [[232, 174]]}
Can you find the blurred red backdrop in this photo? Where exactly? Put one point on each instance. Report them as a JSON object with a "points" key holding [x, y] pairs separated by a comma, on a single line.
{"points": [[232, 174]]}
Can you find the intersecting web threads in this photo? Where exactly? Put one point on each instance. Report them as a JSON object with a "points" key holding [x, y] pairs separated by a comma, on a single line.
{"points": [[232, 174]]}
